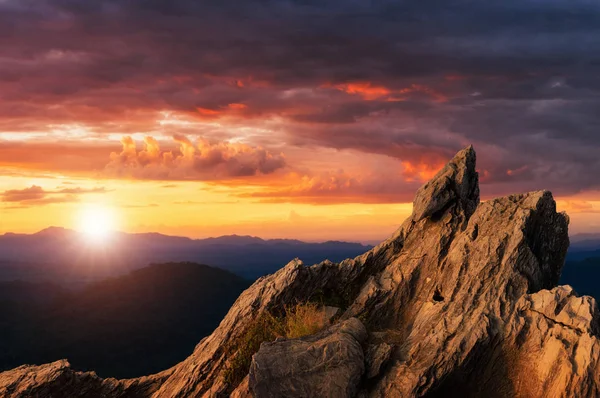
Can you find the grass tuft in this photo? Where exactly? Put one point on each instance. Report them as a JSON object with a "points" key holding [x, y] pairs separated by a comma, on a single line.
{"points": [[265, 327], [300, 320], [304, 320]]}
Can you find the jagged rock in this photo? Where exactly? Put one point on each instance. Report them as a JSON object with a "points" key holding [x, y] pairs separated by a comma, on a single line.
{"points": [[331, 312], [327, 364], [553, 341], [57, 379], [243, 390], [457, 182], [464, 291], [375, 357]]}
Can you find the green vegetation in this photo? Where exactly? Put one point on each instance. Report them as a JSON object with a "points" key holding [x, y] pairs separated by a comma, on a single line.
{"points": [[300, 320]]}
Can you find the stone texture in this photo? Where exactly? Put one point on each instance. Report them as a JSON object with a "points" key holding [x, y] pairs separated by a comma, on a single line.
{"points": [[464, 291], [375, 357], [57, 379], [327, 364], [243, 390], [331, 312]]}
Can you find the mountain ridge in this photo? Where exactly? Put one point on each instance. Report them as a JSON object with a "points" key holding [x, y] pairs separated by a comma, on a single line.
{"points": [[462, 300], [56, 230], [67, 257], [125, 326]]}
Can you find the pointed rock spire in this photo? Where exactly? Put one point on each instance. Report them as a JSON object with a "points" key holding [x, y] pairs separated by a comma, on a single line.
{"points": [[457, 183]]}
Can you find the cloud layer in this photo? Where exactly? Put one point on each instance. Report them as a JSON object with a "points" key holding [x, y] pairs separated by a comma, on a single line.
{"points": [[246, 81], [200, 161], [38, 196]]}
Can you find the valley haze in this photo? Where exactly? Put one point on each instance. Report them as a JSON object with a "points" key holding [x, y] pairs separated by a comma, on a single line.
{"points": [[68, 257]]}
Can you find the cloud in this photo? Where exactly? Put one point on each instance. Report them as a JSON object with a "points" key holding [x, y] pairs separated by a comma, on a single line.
{"points": [[394, 186], [204, 160], [23, 195], [211, 202], [578, 206], [63, 156], [371, 92], [38, 196], [139, 206], [517, 79]]}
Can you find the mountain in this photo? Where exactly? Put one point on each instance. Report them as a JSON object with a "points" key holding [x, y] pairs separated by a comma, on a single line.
{"points": [[126, 326], [584, 246], [67, 258], [583, 275], [462, 301]]}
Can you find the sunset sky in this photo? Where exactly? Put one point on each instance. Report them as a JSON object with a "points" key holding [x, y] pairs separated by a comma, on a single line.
{"points": [[303, 119]]}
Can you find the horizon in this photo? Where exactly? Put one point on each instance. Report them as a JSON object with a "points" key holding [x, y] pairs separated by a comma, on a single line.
{"points": [[53, 227], [285, 229], [578, 236]]}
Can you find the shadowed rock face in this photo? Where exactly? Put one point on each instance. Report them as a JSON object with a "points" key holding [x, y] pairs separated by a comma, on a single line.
{"points": [[455, 303]]}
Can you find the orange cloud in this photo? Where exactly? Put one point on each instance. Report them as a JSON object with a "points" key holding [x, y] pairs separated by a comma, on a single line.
{"points": [[367, 90], [36, 195], [208, 112], [419, 88], [71, 157], [338, 187], [420, 171], [484, 175], [34, 192], [518, 171], [371, 92], [579, 206], [204, 160], [213, 113]]}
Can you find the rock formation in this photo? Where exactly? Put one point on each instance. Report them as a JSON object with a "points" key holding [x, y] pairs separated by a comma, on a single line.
{"points": [[328, 364], [460, 301]]}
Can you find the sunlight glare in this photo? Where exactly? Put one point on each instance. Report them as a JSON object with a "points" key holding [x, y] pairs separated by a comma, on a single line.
{"points": [[96, 222]]}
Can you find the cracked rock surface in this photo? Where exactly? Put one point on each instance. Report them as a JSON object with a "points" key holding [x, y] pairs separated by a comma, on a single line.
{"points": [[460, 301], [327, 364]]}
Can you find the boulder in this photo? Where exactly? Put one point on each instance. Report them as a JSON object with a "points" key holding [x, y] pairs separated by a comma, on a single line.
{"points": [[327, 364]]}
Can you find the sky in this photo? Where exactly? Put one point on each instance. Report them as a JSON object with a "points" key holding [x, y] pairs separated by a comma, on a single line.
{"points": [[290, 118]]}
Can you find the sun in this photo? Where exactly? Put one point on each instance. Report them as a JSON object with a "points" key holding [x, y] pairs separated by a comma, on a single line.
{"points": [[96, 222]]}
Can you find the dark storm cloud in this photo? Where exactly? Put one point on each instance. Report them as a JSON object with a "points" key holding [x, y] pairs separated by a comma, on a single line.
{"points": [[300, 42], [409, 80]]}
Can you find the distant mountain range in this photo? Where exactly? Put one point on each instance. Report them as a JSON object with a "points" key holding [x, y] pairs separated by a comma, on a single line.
{"points": [[582, 268], [102, 306], [135, 324], [66, 257]]}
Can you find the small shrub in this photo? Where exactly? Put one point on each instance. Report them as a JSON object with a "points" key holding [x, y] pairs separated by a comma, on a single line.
{"points": [[264, 328], [300, 320], [304, 320]]}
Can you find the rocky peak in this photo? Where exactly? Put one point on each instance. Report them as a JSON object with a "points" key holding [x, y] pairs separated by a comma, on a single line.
{"points": [[456, 183], [455, 303]]}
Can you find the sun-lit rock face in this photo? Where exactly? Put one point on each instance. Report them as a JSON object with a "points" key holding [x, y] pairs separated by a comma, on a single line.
{"points": [[460, 301]]}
